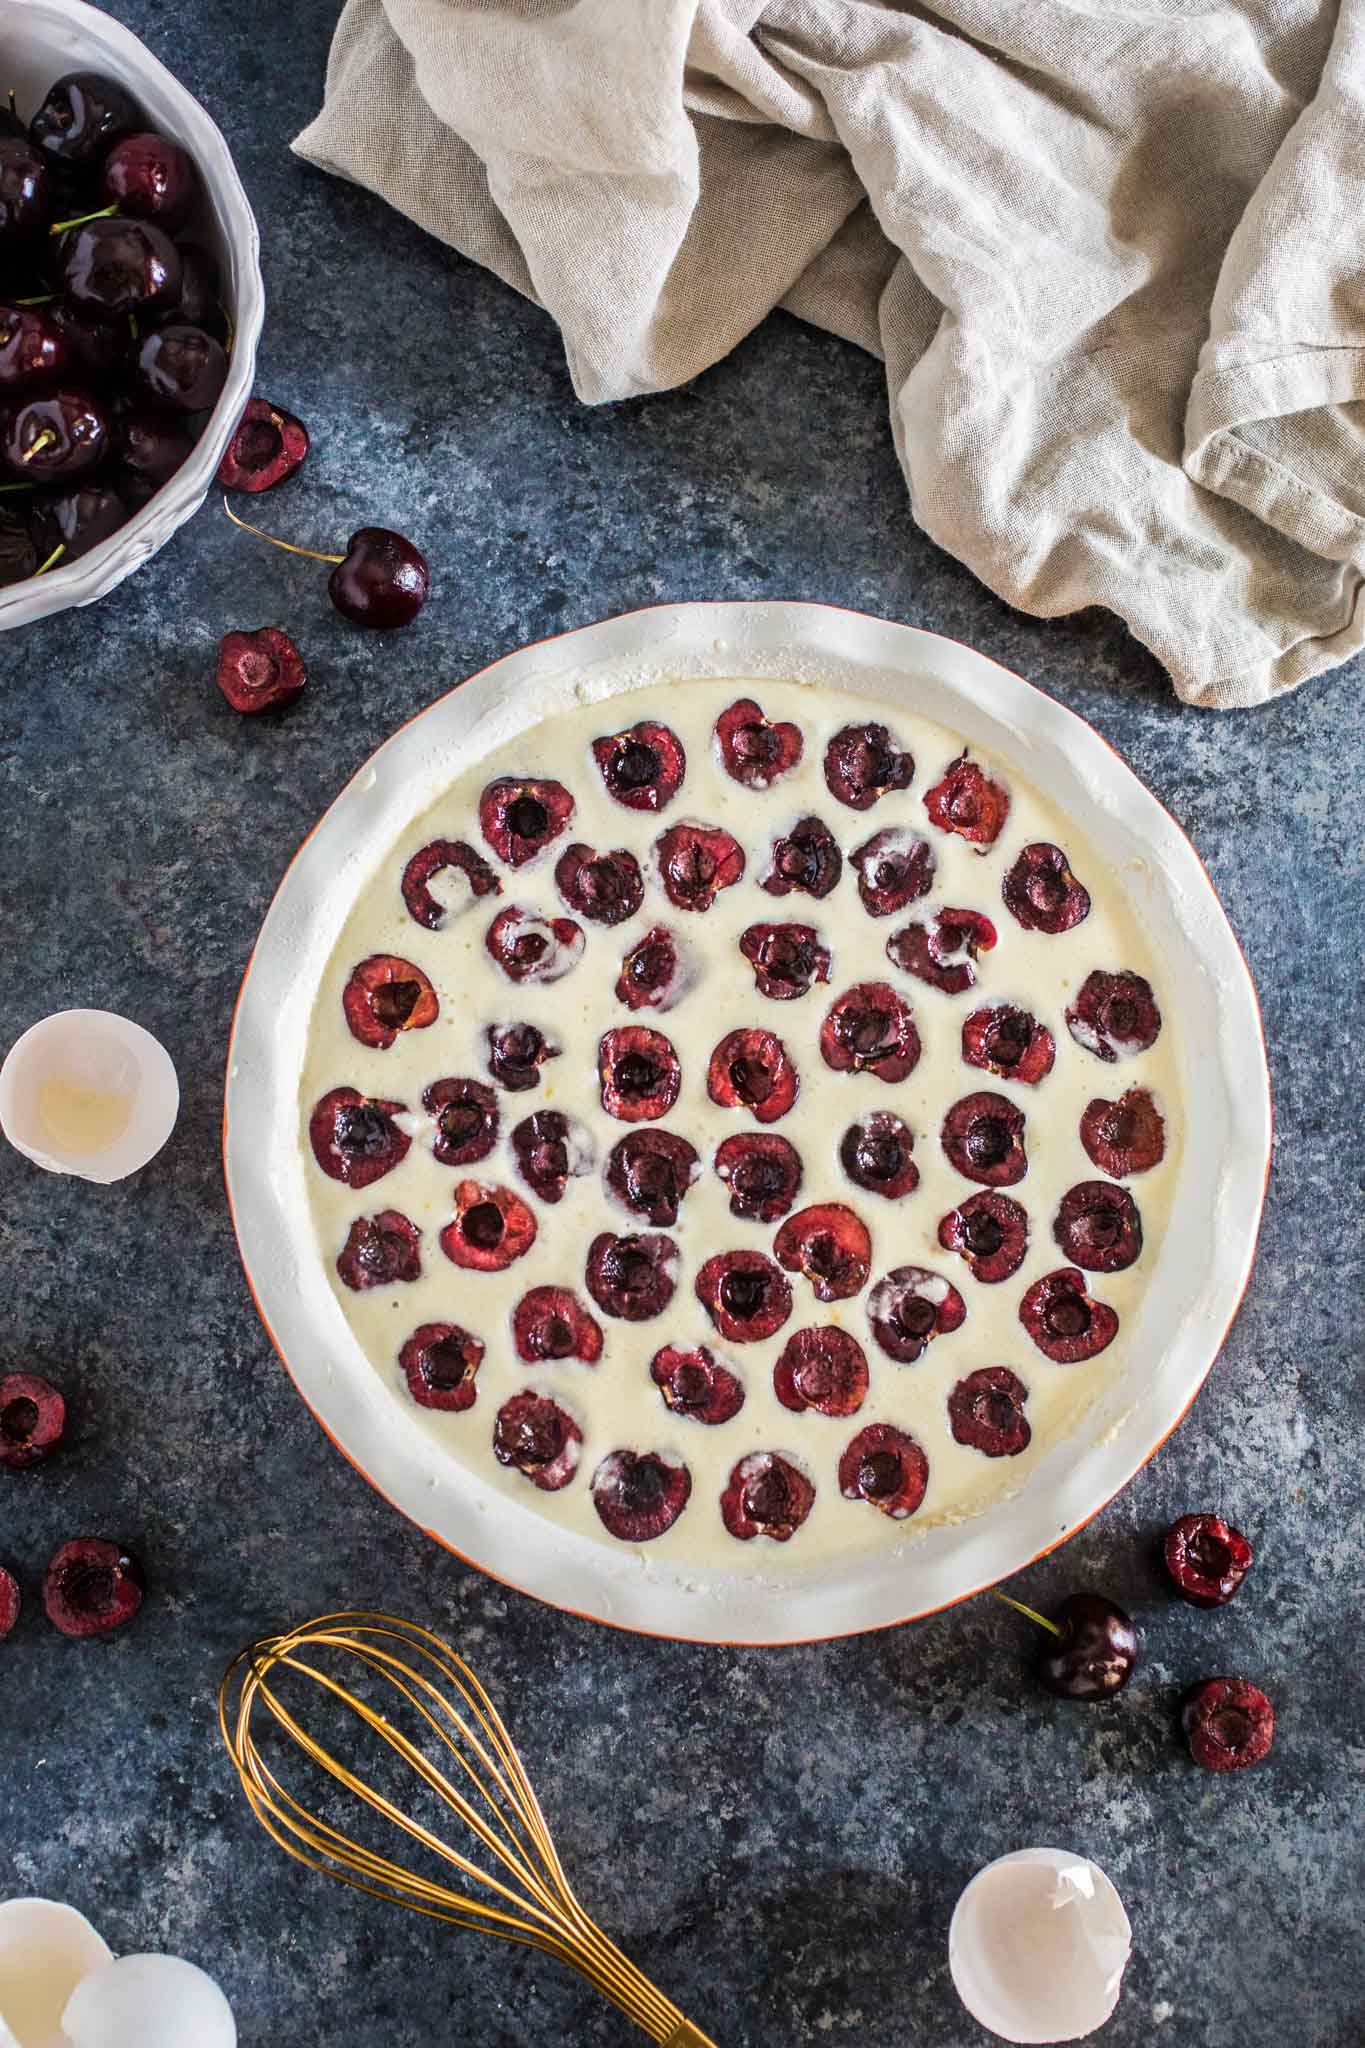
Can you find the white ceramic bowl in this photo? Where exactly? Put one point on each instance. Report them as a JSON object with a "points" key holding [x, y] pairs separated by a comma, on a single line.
{"points": [[1201, 1266], [40, 40]]}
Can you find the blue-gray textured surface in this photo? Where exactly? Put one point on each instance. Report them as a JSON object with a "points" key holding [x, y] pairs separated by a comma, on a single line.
{"points": [[778, 1836]]}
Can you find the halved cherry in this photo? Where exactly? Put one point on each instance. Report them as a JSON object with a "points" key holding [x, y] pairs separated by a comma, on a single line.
{"points": [[491, 1228], [1009, 1042], [966, 801], [875, 1154], [941, 947], [1114, 1015], [1098, 1226], [909, 1308], [983, 1136], [528, 947], [762, 1172], [787, 959], [751, 1070], [632, 1277], [639, 1073], [1065, 1322], [864, 762], [643, 766], [694, 1383], [605, 887], [466, 1115], [551, 1322], [440, 1362], [425, 908], [380, 1250], [767, 1495], [354, 1137], [696, 862], [538, 1437], [806, 859], [650, 1172], [894, 868], [986, 1411], [550, 1150], [990, 1232], [886, 1467], [824, 1369], [745, 1295], [32, 1424], [516, 1054], [1124, 1137], [1042, 893], [870, 1030], [654, 972], [386, 995], [520, 819], [831, 1245], [640, 1494], [754, 750]]}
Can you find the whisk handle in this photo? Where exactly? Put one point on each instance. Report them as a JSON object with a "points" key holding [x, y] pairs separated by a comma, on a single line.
{"points": [[685, 2035]]}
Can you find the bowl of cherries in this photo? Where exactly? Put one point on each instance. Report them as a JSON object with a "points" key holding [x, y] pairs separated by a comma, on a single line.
{"points": [[130, 305]]}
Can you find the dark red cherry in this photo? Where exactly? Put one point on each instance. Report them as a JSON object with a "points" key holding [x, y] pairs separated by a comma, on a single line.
{"points": [[807, 859], [1229, 1724], [267, 447], [787, 959], [98, 354], [84, 114], [57, 435], [381, 581], [965, 800], [1067, 1324], [108, 269], [384, 996], [32, 1420], [183, 368], [381, 1251], [1092, 1649], [551, 1323], [885, 1467], [355, 1138], [643, 766], [1206, 1557], [762, 1172], [986, 1412], [91, 1587], [148, 447], [466, 1118], [1114, 1015], [640, 1494], [650, 1172], [654, 973], [991, 1232], [824, 1369], [490, 1230], [200, 300], [752, 1070], [745, 1295], [695, 1384], [26, 197], [519, 819], [259, 671], [1098, 1227], [528, 947], [830, 1244], [435, 859], [33, 348], [753, 750], [76, 519], [551, 1149], [767, 1495], [870, 1030], [983, 1137], [863, 763], [1124, 1137], [606, 887], [894, 868], [150, 177], [1009, 1042], [1041, 892], [941, 947], [909, 1308], [539, 1439], [638, 1072], [632, 1277], [440, 1362], [696, 862], [875, 1154], [11, 1602], [516, 1054]]}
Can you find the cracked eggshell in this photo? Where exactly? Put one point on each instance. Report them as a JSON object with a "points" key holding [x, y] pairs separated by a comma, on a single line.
{"points": [[1038, 1945], [89, 1093], [46, 1950], [148, 2002]]}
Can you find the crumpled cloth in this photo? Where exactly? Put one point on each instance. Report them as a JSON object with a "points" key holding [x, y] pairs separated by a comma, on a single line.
{"points": [[1111, 251]]}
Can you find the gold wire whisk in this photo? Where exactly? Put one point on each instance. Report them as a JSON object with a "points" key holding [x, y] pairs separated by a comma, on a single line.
{"points": [[480, 1779]]}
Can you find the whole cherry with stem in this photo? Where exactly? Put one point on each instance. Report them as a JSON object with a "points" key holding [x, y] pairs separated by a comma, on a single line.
{"points": [[1094, 1649], [381, 581]]}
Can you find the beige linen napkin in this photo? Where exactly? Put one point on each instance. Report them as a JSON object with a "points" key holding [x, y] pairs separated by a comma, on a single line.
{"points": [[1112, 252]]}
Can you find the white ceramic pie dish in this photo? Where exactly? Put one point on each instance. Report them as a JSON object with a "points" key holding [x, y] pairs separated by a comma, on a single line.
{"points": [[1201, 1266]]}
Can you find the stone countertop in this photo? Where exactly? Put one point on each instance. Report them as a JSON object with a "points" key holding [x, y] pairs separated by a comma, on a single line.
{"points": [[778, 1836]]}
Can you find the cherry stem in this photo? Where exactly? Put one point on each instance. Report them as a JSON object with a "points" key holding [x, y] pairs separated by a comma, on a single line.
{"points": [[1029, 1613], [59, 227], [41, 299], [288, 545], [55, 556], [17, 487], [44, 440]]}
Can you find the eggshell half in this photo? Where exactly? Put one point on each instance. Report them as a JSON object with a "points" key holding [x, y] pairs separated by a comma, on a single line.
{"points": [[149, 2002], [1038, 1945], [45, 1951]]}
